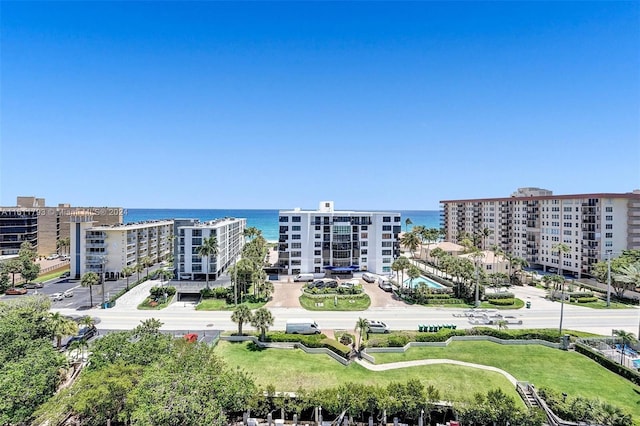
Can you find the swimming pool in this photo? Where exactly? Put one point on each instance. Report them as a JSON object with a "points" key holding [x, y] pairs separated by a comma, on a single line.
{"points": [[425, 280]]}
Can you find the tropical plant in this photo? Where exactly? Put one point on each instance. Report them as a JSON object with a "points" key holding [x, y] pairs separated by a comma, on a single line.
{"points": [[61, 326], [407, 222], [252, 232], [13, 267], [361, 326], [411, 241], [89, 280], [413, 272], [139, 267], [147, 262], [208, 248], [241, 315], [628, 274], [400, 265], [127, 271], [262, 320], [502, 324], [626, 338], [165, 275], [560, 248]]}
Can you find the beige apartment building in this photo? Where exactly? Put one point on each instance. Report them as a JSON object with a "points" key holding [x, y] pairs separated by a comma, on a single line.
{"points": [[109, 248], [532, 220], [43, 226]]}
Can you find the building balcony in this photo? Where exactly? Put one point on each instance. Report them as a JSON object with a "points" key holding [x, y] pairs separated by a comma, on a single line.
{"points": [[96, 245]]}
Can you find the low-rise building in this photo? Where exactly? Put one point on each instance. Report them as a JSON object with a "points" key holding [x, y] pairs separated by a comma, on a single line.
{"points": [[107, 249]]}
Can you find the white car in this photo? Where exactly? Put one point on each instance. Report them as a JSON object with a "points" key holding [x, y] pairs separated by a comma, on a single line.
{"points": [[56, 297], [377, 327], [68, 293]]}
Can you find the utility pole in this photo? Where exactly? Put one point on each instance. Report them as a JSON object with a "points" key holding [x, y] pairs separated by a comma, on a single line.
{"points": [[608, 279]]}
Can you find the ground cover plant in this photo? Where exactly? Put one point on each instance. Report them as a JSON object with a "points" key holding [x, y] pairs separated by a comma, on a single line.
{"points": [[335, 302]]}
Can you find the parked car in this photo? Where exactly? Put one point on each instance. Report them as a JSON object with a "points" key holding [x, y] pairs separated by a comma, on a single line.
{"points": [[331, 283], [65, 275], [33, 285], [348, 284], [191, 337], [319, 284], [84, 334], [369, 277], [53, 256], [56, 297], [15, 291], [68, 293], [386, 286], [377, 327]]}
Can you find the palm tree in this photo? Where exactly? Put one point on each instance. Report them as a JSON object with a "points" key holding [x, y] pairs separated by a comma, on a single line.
{"points": [[627, 338], [411, 241], [484, 234], [407, 222], [208, 248], [629, 274], [413, 272], [262, 320], [496, 251], [477, 255], [502, 324], [252, 232], [401, 264], [146, 262], [437, 253], [165, 275], [560, 248], [87, 321], [62, 326], [127, 271], [138, 268], [89, 280], [361, 326], [241, 315]]}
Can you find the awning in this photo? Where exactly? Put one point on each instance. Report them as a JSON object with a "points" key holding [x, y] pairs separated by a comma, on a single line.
{"points": [[342, 268]]}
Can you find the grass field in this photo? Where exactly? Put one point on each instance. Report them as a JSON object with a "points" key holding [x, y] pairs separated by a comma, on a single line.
{"points": [[289, 370], [567, 372], [222, 305], [51, 275], [359, 303]]}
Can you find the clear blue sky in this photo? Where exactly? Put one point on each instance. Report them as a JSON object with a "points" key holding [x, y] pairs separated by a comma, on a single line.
{"points": [[279, 105]]}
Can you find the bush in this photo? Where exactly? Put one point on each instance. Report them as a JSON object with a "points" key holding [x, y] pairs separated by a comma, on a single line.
{"points": [[586, 299], [309, 340], [502, 302], [443, 301], [336, 347], [158, 292], [579, 294], [397, 340], [216, 293], [503, 295], [346, 339]]}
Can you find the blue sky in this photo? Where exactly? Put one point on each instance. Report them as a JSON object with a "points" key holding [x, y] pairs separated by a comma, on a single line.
{"points": [[278, 105]]}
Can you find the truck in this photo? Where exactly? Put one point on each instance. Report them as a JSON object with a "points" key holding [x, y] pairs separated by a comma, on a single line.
{"points": [[302, 326]]}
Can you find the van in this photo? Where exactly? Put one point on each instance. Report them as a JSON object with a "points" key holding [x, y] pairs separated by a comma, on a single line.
{"points": [[383, 281], [369, 277], [303, 278], [302, 326]]}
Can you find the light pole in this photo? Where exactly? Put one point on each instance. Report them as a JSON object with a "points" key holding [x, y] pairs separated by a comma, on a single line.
{"points": [[608, 279], [103, 262]]}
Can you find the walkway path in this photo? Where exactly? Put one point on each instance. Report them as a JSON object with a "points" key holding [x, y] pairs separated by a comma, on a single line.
{"points": [[405, 364]]}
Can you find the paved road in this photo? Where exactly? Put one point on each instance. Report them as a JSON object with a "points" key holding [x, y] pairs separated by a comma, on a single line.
{"points": [[543, 314]]}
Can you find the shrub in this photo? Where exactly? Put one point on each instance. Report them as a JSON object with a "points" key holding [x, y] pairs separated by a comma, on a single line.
{"points": [[502, 302], [158, 292], [443, 301], [346, 339], [397, 340], [503, 295], [586, 299], [336, 347], [579, 294]]}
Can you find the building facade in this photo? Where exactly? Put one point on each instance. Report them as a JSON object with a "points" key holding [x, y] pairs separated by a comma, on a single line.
{"points": [[315, 241], [109, 249], [31, 220], [229, 233], [533, 220]]}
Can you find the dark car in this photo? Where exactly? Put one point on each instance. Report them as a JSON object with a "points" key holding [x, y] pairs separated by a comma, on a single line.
{"points": [[65, 275], [331, 283], [15, 291], [319, 284], [84, 334]]}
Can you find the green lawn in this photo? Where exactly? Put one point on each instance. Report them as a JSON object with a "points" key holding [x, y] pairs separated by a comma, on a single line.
{"points": [[602, 304], [359, 303], [288, 370], [222, 305], [567, 372], [51, 275]]}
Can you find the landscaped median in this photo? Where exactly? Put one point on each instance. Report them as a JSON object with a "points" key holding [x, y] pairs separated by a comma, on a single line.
{"points": [[159, 298], [335, 302]]}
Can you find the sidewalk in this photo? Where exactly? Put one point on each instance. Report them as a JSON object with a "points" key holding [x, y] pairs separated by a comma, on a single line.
{"points": [[131, 299]]}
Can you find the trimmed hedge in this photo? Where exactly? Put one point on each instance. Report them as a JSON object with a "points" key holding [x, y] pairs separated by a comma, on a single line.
{"points": [[215, 293], [502, 302], [158, 292], [586, 299], [443, 301], [310, 341], [496, 296], [613, 366]]}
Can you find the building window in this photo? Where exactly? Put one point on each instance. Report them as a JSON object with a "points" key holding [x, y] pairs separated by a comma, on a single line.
{"points": [[317, 244], [317, 252], [295, 237], [386, 252], [387, 244], [364, 228], [608, 209], [284, 219], [608, 226], [386, 218], [386, 269], [295, 228], [364, 235], [296, 245], [364, 260], [608, 218], [396, 219], [317, 227], [296, 254], [196, 233], [196, 259], [295, 219], [386, 236], [295, 263], [608, 235], [196, 241], [386, 260], [364, 243], [386, 227]]}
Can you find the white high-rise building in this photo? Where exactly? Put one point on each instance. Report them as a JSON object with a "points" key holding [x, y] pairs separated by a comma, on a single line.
{"points": [[229, 233], [109, 248], [315, 241], [530, 222]]}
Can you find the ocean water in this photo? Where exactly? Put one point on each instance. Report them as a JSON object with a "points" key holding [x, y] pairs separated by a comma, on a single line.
{"points": [[264, 220]]}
